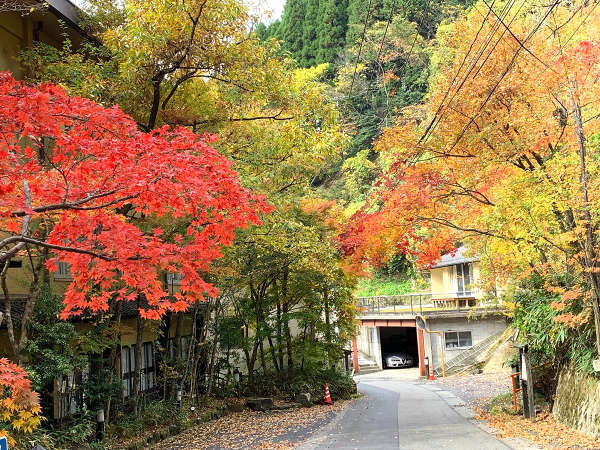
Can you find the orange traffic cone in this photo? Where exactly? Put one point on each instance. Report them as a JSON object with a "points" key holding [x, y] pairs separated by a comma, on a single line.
{"points": [[327, 400], [431, 375]]}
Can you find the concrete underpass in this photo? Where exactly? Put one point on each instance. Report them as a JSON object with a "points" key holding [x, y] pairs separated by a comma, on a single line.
{"points": [[378, 337], [399, 340]]}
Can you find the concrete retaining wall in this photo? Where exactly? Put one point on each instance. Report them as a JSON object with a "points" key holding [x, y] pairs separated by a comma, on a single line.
{"points": [[577, 403]]}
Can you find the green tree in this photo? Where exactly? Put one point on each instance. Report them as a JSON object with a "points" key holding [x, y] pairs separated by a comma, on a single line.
{"points": [[332, 30], [265, 32], [310, 36], [291, 30], [393, 74]]}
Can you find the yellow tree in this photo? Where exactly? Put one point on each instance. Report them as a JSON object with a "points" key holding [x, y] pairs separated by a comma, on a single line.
{"points": [[502, 154]]}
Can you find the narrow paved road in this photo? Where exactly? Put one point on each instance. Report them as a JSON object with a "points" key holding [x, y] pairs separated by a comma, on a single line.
{"points": [[396, 413]]}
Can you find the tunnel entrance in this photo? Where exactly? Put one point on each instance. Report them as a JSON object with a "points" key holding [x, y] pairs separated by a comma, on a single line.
{"points": [[399, 347]]}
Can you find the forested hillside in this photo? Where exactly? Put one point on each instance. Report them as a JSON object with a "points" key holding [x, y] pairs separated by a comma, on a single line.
{"points": [[377, 59], [376, 54]]}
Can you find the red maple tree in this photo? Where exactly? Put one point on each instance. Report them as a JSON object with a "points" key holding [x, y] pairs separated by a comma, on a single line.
{"points": [[81, 180]]}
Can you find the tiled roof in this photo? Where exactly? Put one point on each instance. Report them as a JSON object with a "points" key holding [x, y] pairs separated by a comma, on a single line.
{"points": [[130, 310], [458, 258]]}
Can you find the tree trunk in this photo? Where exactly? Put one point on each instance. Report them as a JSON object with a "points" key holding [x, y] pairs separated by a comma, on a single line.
{"points": [[177, 346], [327, 324], [279, 334], [201, 340], [591, 264], [115, 354], [263, 362], [288, 339], [164, 355], [250, 361], [17, 341], [156, 84], [135, 397], [272, 351], [213, 354], [285, 319]]}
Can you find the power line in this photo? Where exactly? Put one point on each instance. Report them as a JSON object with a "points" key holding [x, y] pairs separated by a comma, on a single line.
{"points": [[392, 7], [360, 47], [454, 79], [387, 100], [505, 11], [507, 28], [582, 22], [504, 73]]}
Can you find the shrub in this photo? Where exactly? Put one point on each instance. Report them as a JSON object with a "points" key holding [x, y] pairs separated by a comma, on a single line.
{"points": [[292, 382]]}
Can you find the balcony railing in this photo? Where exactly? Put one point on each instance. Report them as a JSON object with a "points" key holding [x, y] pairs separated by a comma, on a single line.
{"points": [[423, 302]]}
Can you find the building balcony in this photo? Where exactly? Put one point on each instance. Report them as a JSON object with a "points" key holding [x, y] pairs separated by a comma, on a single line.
{"points": [[419, 303]]}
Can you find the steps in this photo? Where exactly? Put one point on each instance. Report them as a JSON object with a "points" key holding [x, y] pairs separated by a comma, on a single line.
{"points": [[472, 355], [366, 365]]}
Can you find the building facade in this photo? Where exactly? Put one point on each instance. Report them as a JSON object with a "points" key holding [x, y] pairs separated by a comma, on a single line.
{"points": [[462, 321]]}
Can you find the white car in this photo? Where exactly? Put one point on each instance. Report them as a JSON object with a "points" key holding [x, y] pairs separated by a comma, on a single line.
{"points": [[399, 359]]}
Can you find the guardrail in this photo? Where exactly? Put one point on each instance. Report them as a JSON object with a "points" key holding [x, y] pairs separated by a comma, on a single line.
{"points": [[422, 302]]}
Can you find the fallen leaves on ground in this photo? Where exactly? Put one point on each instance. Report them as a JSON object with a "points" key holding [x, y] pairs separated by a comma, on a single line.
{"points": [[476, 389], [545, 431], [253, 429]]}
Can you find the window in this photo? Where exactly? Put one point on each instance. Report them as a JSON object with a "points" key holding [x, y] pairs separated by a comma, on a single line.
{"points": [[464, 278], [127, 369], [174, 279], [70, 398], [63, 271], [148, 377], [182, 349], [458, 339], [147, 373]]}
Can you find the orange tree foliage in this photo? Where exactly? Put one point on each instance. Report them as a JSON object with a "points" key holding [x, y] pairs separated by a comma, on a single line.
{"points": [[19, 405], [503, 154], [79, 179]]}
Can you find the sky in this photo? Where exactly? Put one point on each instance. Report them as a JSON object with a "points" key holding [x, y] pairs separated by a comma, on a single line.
{"points": [[275, 6]]}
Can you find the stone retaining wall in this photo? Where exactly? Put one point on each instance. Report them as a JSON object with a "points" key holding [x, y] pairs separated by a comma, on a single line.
{"points": [[577, 403]]}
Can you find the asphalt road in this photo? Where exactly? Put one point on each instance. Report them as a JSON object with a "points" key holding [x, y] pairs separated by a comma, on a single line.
{"points": [[397, 413]]}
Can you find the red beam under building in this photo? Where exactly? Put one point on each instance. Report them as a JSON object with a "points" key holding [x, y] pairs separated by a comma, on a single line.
{"points": [[389, 323]]}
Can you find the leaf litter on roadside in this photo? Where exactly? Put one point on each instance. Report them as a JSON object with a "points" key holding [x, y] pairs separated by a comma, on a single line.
{"points": [[253, 429]]}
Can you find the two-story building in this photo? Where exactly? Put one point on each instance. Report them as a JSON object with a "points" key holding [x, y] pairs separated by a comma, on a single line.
{"points": [[463, 321]]}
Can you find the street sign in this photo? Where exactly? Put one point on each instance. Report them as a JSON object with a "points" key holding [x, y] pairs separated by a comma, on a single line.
{"points": [[3, 443]]}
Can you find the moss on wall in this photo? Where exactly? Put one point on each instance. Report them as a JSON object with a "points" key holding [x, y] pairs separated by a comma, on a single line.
{"points": [[577, 402]]}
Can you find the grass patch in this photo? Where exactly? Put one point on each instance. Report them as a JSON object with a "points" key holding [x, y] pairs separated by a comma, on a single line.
{"points": [[369, 287], [503, 403]]}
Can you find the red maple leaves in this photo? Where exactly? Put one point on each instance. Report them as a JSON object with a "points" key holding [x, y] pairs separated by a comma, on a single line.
{"points": [[82, 180]]}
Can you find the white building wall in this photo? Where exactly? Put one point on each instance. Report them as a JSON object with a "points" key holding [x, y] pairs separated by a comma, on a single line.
{"points": [[480, 328], [368, 343]]}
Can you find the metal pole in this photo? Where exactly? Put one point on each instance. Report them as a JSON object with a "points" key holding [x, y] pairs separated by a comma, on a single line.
{"points": [[100, 425]]}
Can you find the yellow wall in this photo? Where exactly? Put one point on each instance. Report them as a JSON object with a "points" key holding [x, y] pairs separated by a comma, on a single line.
{"points": [[19, 32], [443, 282], [15, 35], [19, 279]]}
